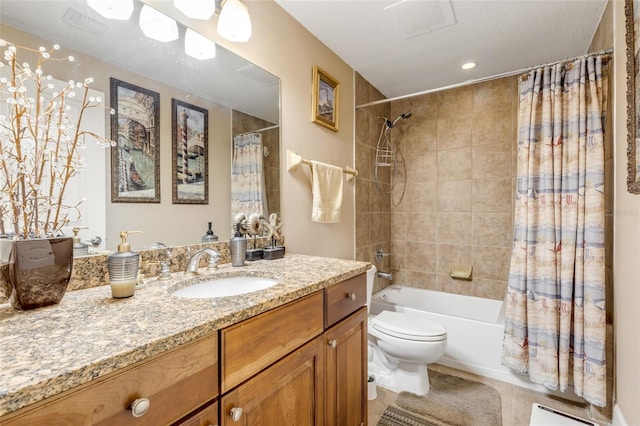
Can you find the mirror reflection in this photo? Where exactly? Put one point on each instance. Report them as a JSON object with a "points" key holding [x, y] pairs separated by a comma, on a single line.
{"points": [[241, 98]]}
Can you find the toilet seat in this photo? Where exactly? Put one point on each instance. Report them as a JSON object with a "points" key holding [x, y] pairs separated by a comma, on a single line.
{"points": [[408, 326]]}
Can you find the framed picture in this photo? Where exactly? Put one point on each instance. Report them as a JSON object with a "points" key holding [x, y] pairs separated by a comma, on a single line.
{"points": [[326, 99], [632, 20], [189, 125], [135, 160]]}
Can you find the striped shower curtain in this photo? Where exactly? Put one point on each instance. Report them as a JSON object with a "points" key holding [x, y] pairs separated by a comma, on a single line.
{"points": [[248, 193], [555, 318]]}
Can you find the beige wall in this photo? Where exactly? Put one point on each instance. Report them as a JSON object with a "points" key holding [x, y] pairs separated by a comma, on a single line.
{"points": [[286, 49], [626, 240]]}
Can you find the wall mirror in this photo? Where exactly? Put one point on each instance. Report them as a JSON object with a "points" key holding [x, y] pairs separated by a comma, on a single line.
{"points": [[239, 97]]}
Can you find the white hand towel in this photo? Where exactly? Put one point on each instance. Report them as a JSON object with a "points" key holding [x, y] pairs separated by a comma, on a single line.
{"points": [[327, 192]]}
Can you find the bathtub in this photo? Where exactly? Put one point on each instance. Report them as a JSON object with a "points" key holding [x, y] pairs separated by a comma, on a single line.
{"points": [[475, 328]]}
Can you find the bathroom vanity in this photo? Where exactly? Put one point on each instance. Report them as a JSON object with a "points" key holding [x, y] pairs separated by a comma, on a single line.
{"points": [[297, 349]]}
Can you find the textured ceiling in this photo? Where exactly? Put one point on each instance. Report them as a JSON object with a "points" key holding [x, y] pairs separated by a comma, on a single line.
{"points": [[500, 35]]}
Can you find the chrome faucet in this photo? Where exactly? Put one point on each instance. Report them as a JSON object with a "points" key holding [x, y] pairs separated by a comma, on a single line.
{"points": [[385, 275], [194, 260]]}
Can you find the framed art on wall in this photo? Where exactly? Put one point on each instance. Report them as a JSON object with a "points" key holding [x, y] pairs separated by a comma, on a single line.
{"points": [[325, 99], [189, 125], [135, 160]]}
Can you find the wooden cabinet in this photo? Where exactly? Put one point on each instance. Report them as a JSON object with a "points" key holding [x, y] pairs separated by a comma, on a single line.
{"points": [[248, 347], [346, 371], [173, 384], [207, 416], [346, 352], [290, 392]]}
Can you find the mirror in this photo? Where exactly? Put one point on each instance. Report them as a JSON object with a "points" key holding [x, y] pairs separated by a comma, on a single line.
{"points": [[239, 96]]}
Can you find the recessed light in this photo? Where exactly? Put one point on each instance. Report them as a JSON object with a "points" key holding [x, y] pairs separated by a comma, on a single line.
{"points": [[468, 65]]}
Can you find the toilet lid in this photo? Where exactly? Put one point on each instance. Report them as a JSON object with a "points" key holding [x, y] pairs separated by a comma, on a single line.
{"points": [[406, 325]]}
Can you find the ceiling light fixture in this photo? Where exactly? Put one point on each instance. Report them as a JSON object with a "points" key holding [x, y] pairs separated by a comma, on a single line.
{"points": [[468, 65], [112, 9], [198, 46], [157, 25], [196, 9], [234, 22]]}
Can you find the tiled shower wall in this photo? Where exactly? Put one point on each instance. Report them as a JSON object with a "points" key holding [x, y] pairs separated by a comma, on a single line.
{"points": [[458, 149], [373, 208]]}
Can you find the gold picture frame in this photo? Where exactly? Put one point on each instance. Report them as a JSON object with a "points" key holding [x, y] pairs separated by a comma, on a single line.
{"points": [[632, 14], [326, 99]]}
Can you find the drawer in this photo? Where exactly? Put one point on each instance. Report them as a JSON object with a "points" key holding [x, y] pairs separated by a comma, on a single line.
{"points": [[342, 299], [175, 384], [251, 345]]}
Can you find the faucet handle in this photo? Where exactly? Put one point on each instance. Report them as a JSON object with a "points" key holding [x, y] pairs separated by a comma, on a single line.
{"points": [[213, 261], [165, 271]]}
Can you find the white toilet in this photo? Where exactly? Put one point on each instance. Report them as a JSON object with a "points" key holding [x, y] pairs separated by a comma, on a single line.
{"points": [[401, 344]]}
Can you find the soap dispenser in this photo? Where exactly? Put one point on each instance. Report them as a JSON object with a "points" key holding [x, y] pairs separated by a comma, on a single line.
{"points": [[209, 237], [238, 248], [79, 248], [123, 268]]}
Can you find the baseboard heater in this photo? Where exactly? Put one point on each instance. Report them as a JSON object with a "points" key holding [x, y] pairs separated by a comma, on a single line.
{"points": [[545, 416]]}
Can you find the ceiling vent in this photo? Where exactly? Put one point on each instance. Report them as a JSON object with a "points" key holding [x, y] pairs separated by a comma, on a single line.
{"points": [[416, 18], [81, 21]]}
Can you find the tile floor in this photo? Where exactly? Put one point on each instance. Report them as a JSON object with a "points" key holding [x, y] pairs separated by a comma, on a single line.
{"points": [[516, 401]]}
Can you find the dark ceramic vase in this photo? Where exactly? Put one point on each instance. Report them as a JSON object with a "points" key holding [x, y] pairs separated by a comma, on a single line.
{"points": [[39, 271]]}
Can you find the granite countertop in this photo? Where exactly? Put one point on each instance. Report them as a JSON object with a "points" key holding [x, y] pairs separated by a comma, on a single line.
{"points": [[46, 351]]}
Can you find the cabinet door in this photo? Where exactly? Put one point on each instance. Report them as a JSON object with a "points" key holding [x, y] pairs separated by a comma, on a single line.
{"points": [[346, 371], [289, 393], [207, 416]]}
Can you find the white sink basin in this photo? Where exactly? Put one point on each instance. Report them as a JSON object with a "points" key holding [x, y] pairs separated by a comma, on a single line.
{"points": [[223, 287]]}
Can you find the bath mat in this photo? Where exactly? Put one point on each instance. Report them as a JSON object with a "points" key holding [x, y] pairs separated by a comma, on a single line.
{"points": [[455, 401], [396, 416]]}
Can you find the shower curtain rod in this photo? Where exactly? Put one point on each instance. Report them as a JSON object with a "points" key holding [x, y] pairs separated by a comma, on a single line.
{"points": [[483, 79], [275, 126]]}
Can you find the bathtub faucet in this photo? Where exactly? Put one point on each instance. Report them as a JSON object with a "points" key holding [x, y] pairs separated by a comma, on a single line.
{"points": [[385, 275]]}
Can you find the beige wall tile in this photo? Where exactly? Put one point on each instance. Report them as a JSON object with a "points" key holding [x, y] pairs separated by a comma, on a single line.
{"points": [[421, 257], [454, 228], [422, 167], [426, 280], [421, 228], [421, 136], [454, 196], [491, 161], [421, 197], [492, 195], [455, 102], [362, 195], [454, 132], [454, 164], [448, 284], [450, 253], [492, 126], [495, 94], [398, 255], [492, 229], [363, 229], [399, 225], [489, 289], [380, 227], [491, 262]]}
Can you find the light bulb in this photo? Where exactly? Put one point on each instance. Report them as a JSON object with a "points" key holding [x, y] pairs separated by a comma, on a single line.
{"points": [[157, 25], [234, 22]]}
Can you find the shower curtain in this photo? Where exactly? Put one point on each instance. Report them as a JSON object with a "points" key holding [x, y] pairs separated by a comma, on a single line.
{"points": [[555, 317], [248, 193]]}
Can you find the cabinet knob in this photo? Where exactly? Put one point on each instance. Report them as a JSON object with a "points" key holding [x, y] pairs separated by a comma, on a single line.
{"points": [[333, 343], [235, 413], [351, 296], [139, 407]]}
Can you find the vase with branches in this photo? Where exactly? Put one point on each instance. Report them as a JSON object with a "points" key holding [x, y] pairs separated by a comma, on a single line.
{"points": [[41, 150], [41, 145]]}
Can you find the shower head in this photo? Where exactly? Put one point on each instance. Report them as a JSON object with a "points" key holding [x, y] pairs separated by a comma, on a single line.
{"points": [[403, 116]]}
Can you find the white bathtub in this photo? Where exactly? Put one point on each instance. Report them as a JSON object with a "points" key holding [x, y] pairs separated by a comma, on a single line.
{"points": [[475, 328]]}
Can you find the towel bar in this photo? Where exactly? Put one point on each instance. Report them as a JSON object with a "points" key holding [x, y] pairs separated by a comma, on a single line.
{"points": [[294, 160]]}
